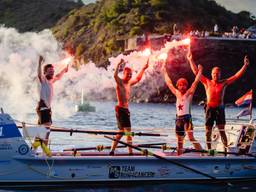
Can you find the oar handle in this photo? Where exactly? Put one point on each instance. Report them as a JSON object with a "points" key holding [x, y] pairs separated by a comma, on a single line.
{"points": [[101, 147], [151, 134], [71, 131]]}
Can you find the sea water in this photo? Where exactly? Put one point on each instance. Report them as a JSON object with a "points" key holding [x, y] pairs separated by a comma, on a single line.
{"points": [[147, 117]]}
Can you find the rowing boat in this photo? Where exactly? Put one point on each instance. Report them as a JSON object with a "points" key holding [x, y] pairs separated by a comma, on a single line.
{"points": [[21, 166]]}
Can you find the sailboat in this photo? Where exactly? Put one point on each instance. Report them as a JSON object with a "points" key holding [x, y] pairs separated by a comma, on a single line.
{"points": [[84, 106]]}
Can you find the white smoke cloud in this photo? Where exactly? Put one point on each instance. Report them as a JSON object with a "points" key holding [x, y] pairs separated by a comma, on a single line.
{"points": [[18, 66], [18, 74]]}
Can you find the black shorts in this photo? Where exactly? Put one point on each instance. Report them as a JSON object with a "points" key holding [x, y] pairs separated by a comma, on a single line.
{"points": [[123, 117], [180, 124], [216, 114], [44, 113]]}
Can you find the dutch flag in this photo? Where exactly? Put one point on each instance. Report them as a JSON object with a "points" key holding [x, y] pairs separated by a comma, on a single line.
{"points": [[245, 100]]}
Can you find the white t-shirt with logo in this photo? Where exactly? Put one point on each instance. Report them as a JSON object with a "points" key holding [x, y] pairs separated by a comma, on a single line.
{"points": [[183, 103]]}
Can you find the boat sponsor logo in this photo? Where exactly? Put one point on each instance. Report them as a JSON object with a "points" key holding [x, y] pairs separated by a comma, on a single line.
{"points": [[94, 167], [76, 169], [23, 149], [117, 172], [163, 171], [249, 167], [5, 146]]}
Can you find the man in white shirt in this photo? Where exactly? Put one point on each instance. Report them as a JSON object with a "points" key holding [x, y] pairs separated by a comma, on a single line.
{"points": [[46, 81], [184, 96]]}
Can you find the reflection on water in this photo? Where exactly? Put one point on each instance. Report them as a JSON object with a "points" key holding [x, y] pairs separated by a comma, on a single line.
{"points": [[145, 118], [140, 187]]}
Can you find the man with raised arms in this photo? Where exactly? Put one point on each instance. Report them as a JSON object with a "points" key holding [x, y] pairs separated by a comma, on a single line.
{"points": [[184, 96], [46, 80], [215, 91], [123, 87]]}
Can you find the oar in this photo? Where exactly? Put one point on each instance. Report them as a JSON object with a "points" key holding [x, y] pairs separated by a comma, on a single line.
{"points": [[98, 132], [102, 147], [146, 152], [213, 152]]}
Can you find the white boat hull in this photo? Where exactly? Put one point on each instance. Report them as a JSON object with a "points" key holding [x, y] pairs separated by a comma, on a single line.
{"points": [[19, 166], [123, 168]]}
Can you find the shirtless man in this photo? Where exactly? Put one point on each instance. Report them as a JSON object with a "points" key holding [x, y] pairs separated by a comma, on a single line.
{"points": [[123, 87], [184, 95], [215, 91]]}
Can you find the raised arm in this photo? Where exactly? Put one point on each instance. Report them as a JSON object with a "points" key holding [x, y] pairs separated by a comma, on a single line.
{"points": [[168, 81], [196, 81], [194, 68], [117, 78], [61, 73], [39, 69], [233, 78], [140, 74]]}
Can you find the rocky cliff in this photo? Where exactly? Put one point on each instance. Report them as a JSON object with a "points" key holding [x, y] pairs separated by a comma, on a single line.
{"points": [[226, 54]]}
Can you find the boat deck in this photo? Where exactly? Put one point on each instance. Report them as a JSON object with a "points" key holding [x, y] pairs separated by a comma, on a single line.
{"points": [[123, 154]]}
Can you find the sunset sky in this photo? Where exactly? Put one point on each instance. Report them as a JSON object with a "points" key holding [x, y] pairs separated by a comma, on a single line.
{"points": [[239, 5]]}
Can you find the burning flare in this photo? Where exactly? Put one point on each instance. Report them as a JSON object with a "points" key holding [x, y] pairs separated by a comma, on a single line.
{"points": [[186, 41], [66, 61], [146, 52], [162, 56]]}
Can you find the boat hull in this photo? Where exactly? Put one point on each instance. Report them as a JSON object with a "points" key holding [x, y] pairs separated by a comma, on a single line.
{"points": [[104, 169]]}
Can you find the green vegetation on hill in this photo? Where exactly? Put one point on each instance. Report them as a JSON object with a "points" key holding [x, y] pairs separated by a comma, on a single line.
{"points": [[34, 15], [95, 30]]}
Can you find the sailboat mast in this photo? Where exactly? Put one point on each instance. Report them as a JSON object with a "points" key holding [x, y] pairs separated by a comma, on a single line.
{"points": [[82, 97]]}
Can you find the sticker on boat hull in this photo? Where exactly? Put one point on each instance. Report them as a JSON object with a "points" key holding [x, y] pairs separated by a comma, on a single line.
{"points": [[23, 149], [118, 172], [5, 146], [163, 171]]}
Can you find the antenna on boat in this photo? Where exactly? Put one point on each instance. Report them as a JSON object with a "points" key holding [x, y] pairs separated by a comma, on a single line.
{"points": [[82, 96], [250, 108], [250, 116]]}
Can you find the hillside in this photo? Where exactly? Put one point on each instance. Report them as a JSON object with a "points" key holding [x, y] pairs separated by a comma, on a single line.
{"points": [[95, 31], [34, 15]]}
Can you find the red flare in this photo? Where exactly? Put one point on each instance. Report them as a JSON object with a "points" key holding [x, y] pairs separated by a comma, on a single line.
{"points": [[146, 52], [162, 56], [66, 61], [187, 41]]}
